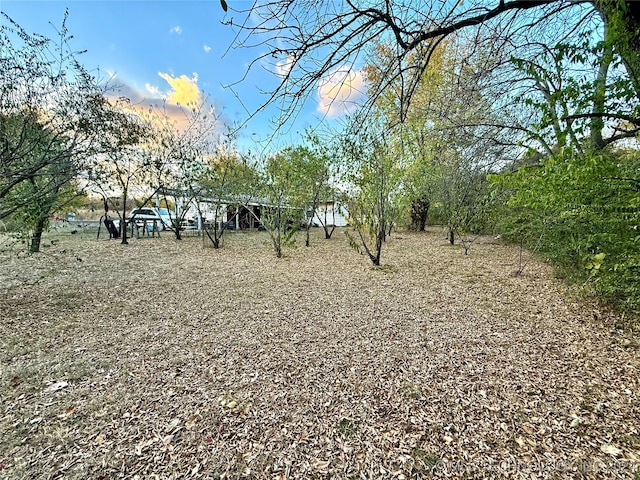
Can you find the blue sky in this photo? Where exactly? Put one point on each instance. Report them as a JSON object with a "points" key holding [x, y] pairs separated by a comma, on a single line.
{"points": [[166, 49]]}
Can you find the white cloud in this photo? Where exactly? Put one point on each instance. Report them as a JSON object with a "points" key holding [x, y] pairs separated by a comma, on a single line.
{"points": [[283, 67], [207, 48], [110, 75], [340, 92], [177, 30], [152, 89]]}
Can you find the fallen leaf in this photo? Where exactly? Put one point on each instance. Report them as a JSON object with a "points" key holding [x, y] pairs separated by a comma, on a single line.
{"points": [[321, 465], [446, 325], [57, 386], [67, 413], [172, 425], [527, 428], [610, 449], [191, 422], [139, 448]]}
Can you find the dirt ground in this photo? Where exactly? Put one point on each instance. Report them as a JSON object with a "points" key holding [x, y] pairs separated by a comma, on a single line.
{"points": [[167, 360]]}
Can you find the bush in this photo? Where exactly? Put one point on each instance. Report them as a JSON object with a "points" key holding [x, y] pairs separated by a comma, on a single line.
{"points": [[581, 212]]}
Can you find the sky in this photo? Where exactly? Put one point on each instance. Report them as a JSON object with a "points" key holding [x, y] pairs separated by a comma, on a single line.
{"points": [[174, 49]]}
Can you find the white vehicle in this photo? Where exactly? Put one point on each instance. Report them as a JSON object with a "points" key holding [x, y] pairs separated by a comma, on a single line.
{"points": [[149, 214], [167, 217]]}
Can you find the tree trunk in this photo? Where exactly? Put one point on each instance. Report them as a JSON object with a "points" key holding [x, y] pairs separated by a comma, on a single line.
{"points": [[215, 240], [597, 123], [327, 232], [622, 21], [123, 221], [423, 221], [380, 239], [216, 237], [277, 243], [36, 238], [420, 213]]}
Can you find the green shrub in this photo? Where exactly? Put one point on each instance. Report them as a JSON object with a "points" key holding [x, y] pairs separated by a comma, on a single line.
{"points": [[582, 213]]}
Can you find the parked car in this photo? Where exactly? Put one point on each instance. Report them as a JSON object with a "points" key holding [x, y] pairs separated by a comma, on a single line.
{"points": [[149, 214], [167, 217]]}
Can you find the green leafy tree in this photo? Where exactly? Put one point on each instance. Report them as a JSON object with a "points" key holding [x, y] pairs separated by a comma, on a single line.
{"points": [[182, 154], [323, 174], [573, 194], [376, 179], [311, 167], [48, 191], [445, 144], [281, 186], [572, 92], [291, 185], [47, 124], [228, 183]]}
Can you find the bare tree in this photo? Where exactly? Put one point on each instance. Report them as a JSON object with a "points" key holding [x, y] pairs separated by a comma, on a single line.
{"points": [[124, 162], [307, 41], [182, 149]]}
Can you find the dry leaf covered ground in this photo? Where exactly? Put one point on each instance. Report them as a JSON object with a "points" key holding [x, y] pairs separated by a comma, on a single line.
{"points": [[164, 359]]}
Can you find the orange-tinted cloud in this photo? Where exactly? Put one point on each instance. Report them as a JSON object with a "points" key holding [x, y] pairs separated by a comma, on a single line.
{"points": [[340, 92], [174, 105], [184, 90]]}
